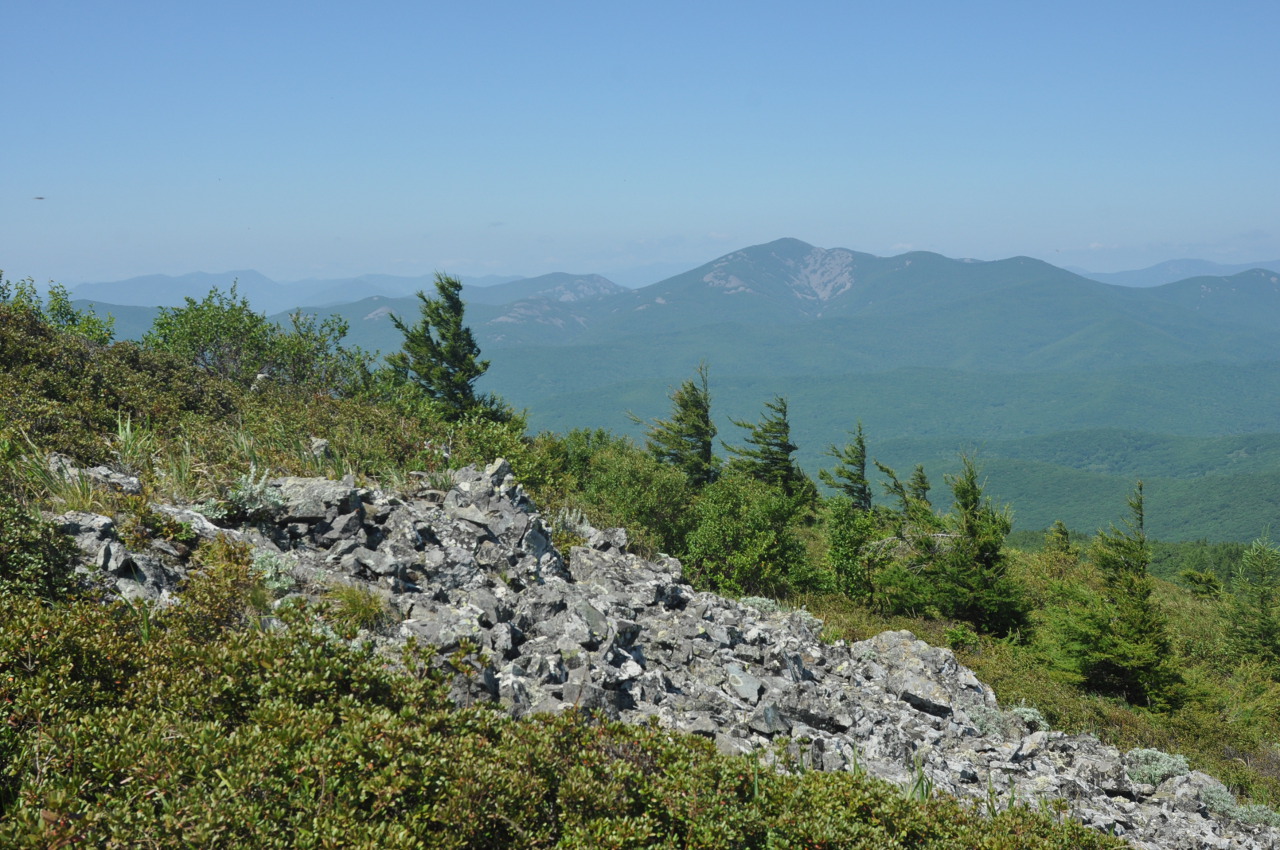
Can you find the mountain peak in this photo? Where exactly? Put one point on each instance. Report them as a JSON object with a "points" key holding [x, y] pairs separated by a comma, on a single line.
{"points": [[784, 267]]}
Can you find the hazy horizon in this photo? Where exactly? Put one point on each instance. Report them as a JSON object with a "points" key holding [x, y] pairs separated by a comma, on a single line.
{"points": [[399, 138]]}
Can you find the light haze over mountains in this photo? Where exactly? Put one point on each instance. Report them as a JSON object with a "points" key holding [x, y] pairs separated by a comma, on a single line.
{"points": [[1068, 389]]}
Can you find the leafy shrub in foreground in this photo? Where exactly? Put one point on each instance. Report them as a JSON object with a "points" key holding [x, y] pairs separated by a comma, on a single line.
{"points": [[233, 736]]}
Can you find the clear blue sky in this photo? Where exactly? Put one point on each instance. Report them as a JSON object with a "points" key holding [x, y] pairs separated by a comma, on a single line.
{"points": [[327, 139]]}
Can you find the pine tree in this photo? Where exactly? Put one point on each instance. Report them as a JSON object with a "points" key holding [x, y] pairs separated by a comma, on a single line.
{"points": [[685, 440], [770, 460], [440, 355], [850, 472]]}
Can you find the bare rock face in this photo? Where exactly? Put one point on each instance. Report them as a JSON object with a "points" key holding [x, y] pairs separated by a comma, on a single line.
{"points": [[613, 632]]}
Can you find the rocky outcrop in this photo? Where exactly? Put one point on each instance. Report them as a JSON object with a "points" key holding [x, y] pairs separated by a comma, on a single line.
{"points": [[610, 631]]}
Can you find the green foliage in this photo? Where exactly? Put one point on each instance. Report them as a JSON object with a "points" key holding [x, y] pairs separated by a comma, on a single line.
{"points": [[206, 731], [353, 607], [627, 487], [914, 561], [769, 457], [850, 472], [311, 355], [973, 582], [58, 313], [854, 560], [1169, 560], [65, 393], [440, 356], [1057, 540], [35, 557], [224, 336], [741, 542], [912, 511], [274, 571], [605, 480], [1255, 589], [286, 737], [253, 498], [221, 335], [686, 439], [1121, 642], [918, 487], [1151, 767]]}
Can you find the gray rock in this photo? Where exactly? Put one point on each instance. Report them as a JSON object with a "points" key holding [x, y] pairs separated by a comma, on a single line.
{"points": [[613, 632], [311, 500]]}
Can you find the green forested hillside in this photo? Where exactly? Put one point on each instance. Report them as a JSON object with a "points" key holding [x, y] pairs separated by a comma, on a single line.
{"points": [[971, 356], [1079, 633]]}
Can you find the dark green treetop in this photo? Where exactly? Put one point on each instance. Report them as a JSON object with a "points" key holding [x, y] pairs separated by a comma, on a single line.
{"points": [[1058, 539], [974, 569], [850, 472], [769, 455], [439, 353], [685, 440], [918, 487]]}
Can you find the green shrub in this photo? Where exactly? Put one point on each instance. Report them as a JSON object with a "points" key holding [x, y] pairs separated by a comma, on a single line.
{"points": [[253, 497], [223, 336], [35, 557], [274, 571], [740, 542]]}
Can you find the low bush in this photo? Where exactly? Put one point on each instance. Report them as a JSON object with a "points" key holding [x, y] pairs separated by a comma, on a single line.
{"points": [[233, 736], [35, 557]]}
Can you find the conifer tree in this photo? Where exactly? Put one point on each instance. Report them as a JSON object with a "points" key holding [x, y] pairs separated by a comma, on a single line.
{"points": [[850, 472], [973, 571], [918, 486], [440, 355], [685, 440], [1058, 539], [1122, 642], [769, 456], [1256, 603]]}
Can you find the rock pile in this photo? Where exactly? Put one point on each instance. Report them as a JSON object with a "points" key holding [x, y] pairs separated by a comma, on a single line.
{"points": [[614, 632]]}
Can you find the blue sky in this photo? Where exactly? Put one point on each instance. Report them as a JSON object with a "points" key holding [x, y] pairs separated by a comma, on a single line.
{"points": [[328, 139]]}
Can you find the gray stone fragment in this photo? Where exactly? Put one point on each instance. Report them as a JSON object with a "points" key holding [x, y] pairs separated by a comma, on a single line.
{"points": [[768, 721], [743, 684], [310, 500]]}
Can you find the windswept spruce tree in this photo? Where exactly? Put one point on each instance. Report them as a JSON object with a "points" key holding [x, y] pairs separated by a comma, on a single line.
{"points": [[770, 455], [849, 475], [685, 440], [441, 356]]}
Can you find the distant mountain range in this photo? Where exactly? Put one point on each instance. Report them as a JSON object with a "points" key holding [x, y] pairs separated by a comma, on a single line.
{"points": [[1175, 270], [935, 355], [271, 296]]}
